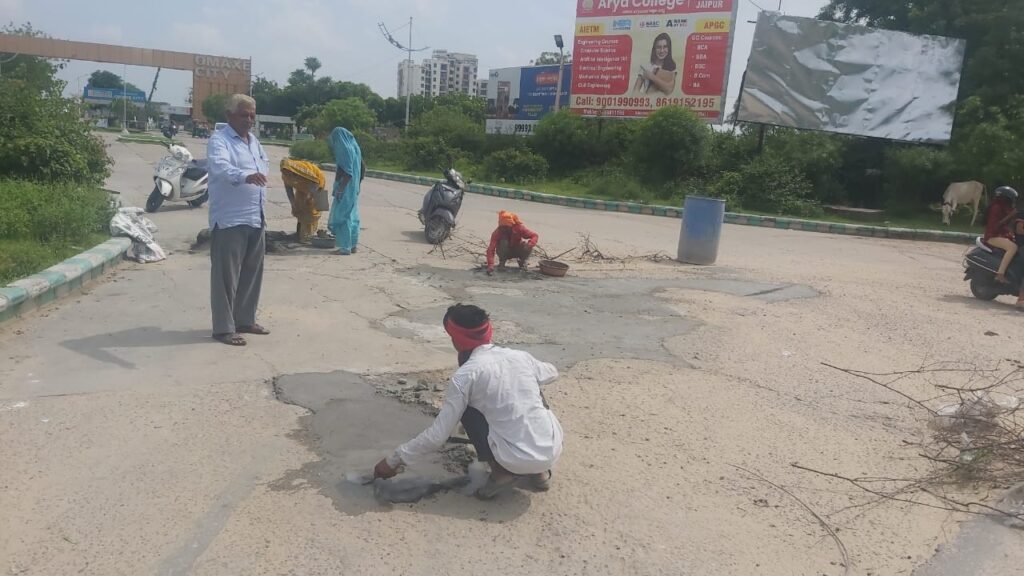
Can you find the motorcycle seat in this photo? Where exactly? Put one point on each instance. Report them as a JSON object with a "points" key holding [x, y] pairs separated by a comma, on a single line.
{"points": [[200, 163], [978, 242], [194, 172]]}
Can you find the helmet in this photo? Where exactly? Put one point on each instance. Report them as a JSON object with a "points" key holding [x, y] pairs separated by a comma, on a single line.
{"points": [[1006, 192]]}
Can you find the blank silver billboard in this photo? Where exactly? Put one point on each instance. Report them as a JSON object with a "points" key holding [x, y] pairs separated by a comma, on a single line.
{"points": [[816, 75]]}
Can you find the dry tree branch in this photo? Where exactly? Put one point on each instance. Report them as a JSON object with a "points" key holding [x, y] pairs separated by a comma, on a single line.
{"points": [[828, 528]]}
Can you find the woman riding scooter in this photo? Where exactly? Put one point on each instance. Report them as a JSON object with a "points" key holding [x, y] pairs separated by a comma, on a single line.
{"points": [[999, 226]]}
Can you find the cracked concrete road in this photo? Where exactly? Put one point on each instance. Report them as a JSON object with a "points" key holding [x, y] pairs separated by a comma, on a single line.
{"points": [[133, 444]]}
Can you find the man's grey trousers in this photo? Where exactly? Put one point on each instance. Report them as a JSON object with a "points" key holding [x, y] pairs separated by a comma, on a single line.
{"points": [[236, 276]]}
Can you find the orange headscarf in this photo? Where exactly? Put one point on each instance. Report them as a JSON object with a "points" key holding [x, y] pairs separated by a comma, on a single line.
{"points": [[506, 218]]}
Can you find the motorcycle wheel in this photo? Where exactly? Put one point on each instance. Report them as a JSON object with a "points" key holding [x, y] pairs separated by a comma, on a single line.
{"points": [[437, 230], [155, 200], [984, 289], [199, 201]]}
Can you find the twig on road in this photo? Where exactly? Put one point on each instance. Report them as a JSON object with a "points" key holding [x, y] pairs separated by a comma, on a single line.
{"points": [[828, 528]]}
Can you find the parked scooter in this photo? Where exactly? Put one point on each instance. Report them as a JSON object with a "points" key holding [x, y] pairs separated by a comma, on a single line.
{"points": [[981, 264], [441, 206], [179, 178]]}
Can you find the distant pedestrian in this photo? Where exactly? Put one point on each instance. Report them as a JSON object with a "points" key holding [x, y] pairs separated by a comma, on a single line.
{"points": [[344, 217], [238, 167]]}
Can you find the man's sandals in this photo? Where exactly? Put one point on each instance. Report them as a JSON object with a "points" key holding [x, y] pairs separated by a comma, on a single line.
{"points": [[235, 338]]}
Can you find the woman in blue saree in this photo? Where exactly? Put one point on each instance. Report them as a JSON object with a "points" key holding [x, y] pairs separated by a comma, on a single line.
{"points": [[344, 218]]}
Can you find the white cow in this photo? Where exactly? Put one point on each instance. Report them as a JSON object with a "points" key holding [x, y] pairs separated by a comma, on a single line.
{"points": [[966, 193]]}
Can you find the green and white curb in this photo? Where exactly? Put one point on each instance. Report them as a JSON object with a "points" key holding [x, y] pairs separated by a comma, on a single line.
{"points": [[673, 212], [57, 281]]}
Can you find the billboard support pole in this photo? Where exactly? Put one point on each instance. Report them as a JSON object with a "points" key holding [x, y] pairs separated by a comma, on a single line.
{"points": [[561, 69], [124, 100]]}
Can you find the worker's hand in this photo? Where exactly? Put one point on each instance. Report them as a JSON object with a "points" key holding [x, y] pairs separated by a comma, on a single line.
{"points": [[383, 470], [256, 179]]}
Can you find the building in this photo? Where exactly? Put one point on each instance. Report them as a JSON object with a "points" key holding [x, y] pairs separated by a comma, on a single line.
{"points": [[443, 73], [481, 88], [415, 78]]}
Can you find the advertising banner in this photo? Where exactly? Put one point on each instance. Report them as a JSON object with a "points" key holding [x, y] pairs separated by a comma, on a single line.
{"points": [[633, 57], [104, 95], [805, 73], [517, 98]]}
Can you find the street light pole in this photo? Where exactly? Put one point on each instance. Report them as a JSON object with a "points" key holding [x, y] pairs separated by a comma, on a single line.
{"points": [[408, 78], [561, 68], [124, 99]]}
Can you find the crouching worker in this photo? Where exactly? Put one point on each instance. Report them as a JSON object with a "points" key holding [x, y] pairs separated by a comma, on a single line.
{"points": [[302, 181], [510, 240], [496, 395]]}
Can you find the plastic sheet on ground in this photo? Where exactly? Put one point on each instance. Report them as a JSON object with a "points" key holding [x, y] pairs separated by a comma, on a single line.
{"points": [[131, 223]]}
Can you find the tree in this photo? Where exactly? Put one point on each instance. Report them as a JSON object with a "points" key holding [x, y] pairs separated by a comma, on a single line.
{"points": [[548, 58], [670, 145], [109, 80], [565, 140], [213, 107], [350, 113], [43, 136], [312, 64], [37, 73]]}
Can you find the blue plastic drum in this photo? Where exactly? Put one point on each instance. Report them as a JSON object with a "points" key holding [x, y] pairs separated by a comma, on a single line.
{"points": [[702, 229]]}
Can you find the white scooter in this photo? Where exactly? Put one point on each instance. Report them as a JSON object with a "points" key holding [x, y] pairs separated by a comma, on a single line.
{"points": [[179, 178]]}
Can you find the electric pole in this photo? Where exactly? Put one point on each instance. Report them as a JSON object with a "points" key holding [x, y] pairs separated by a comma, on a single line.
{"points": [[408, 64]]}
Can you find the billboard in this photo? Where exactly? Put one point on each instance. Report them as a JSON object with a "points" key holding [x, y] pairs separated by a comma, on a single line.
{"points": [[805, 73], [633, 57], [107, 95], [517, 98]]}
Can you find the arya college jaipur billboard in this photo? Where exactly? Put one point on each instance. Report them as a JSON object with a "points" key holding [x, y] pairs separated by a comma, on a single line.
{"points": [[633, 57]]}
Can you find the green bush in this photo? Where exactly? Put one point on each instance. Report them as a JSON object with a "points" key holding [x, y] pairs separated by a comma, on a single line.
{"points": [[818, 156], [52, 212], [451, 126], [427, 153], [316, 151], [913, 177], [766, 186], [564, 140], [43, 138], [515, 165], [670, 145]]}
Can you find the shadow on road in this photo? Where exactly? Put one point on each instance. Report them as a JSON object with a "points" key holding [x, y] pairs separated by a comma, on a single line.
{"points": [[98, 346]]}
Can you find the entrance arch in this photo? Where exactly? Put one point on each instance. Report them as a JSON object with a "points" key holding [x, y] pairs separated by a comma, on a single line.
{"points": [[210, 74]]}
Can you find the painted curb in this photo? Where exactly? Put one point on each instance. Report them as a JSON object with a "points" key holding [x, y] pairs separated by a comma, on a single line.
{"points": [[61, 279], [780, 223]]}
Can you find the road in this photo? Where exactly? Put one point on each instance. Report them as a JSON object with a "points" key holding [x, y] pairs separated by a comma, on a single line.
{"points": [[134, 444]]}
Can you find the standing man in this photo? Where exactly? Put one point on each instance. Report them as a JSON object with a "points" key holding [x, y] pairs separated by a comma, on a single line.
{"points": [[238, 190]]}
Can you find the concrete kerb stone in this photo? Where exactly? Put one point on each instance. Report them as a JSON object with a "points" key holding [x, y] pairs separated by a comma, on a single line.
{"points": [[61, 279], [674, 212]]}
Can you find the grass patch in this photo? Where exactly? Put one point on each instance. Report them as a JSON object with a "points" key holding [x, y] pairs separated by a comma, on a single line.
{"points": [[21, 258], [42, 224]]}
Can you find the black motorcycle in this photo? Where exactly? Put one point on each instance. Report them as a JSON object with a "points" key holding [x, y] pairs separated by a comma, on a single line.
{"points": [[170, 131], [981, 265], [441, 205]]}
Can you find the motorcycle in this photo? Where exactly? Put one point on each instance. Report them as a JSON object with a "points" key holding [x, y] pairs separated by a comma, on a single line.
{"points": [[179, 178], [980, 267], [169, 131], [441, 206]]}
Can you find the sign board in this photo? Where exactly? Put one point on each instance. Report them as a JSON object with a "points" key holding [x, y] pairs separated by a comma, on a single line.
{"points": [[633, 57], [517, 98], [107, 95], [849, 79]]}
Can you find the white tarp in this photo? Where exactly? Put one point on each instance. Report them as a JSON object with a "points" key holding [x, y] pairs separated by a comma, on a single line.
{"points": [[811, 74]]}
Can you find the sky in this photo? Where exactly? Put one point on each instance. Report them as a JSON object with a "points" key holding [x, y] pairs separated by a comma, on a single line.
{"points": [[279, 34]]}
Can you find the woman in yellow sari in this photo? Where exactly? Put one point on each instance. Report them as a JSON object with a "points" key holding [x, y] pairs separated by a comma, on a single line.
{"points": [[302, 181]]}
